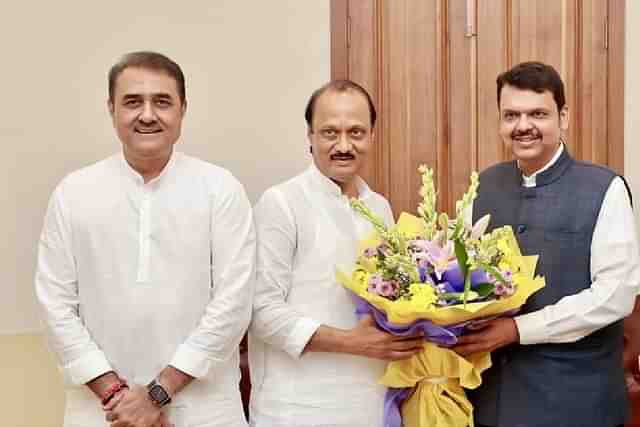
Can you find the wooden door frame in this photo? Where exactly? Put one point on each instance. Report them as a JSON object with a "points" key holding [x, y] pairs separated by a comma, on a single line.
{"points": [[615, 97]]}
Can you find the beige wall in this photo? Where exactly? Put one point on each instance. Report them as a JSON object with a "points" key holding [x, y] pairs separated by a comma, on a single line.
{"points": [[632, 103], [250, 67]]}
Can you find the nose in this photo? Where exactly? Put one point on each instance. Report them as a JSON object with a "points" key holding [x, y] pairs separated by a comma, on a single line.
{"points": [[344, 145], [523, 123], [147, 115]]}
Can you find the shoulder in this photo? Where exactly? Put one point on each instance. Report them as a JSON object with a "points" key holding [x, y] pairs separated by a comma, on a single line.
{"points": [[379, 200], [214, 178], [281, 194], [91, 177], [591, 172], [497, 170], [193, 166], [291, 189]]}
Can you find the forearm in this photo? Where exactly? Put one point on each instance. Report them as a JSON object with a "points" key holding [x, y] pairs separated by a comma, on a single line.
{"points": [[576, 316], [100, 385], [330, 340], [278, 324], [174, 380]]}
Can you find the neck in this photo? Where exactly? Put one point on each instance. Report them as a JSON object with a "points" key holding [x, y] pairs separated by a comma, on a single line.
{"points": [[349, 188], [148, 167], [530, 168]]}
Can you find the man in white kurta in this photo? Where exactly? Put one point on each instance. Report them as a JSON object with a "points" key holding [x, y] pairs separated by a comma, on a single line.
{"points": [[146, 269], [312, 363]]}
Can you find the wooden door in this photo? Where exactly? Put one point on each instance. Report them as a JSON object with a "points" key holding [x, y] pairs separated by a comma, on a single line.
{"points": [[431, 67]]}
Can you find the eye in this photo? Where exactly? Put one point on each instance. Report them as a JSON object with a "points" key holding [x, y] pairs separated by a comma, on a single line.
{"points": [[357, 133], [539, 114], [509, 116], [328, 133], [131, 103]]}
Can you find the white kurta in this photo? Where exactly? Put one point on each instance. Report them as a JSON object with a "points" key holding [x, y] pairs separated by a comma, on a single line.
{"points": [[135, 276], [306, 229]]}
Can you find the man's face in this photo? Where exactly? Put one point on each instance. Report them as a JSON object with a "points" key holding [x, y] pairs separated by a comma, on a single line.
{"points": [[147, 113], [531, 124], [341, 134]]}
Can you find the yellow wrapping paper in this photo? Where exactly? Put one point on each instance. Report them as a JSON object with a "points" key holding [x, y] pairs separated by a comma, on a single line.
{"points": [[440, 375]]}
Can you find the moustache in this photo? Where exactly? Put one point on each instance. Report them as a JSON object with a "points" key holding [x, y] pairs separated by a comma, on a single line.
{"points": [[531, 134]]}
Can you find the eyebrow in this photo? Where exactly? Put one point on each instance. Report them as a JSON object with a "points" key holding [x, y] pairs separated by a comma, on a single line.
{"points": [[160, 95], [532, 110]]}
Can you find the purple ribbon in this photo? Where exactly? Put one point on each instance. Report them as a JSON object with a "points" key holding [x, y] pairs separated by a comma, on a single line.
{"points": [[446, 336]]}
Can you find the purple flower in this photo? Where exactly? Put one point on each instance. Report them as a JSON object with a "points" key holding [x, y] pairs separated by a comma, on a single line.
{"points": [[454, 276], [436, 256]]}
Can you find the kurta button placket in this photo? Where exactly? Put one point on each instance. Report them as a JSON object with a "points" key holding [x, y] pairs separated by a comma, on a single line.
{"points": [[143, 234]]}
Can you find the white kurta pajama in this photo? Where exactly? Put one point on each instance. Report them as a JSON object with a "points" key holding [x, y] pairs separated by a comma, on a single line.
{"points": [[135, 276], [306, 228]]}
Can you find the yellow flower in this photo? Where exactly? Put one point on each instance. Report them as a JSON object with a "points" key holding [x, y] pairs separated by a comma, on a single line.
{"points": [[422, 295], [503, 246]]}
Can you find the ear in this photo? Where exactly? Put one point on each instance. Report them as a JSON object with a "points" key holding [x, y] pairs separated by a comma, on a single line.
{"points": [[373, 136], [110, 107], [564, 118], [184, 107]]}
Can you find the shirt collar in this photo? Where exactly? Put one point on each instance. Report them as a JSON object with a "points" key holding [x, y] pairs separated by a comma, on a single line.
{"points": [[135, 175], [327, 186], [530, 181]]}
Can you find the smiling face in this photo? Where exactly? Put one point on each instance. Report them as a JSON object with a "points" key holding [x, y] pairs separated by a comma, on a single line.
{"points": [[147, 113], [341, 136], [531, 124]]}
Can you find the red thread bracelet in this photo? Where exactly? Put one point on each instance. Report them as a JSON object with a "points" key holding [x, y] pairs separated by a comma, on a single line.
{"points": [[112, 390]]}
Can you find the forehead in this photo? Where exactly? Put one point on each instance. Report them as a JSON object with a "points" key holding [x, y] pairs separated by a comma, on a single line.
{"points": [[143, 81], [513, 98], [347, 105]]}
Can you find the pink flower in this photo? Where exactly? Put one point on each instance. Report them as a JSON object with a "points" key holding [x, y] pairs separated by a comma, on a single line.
{"points": [[370, 252], [432, 253]]}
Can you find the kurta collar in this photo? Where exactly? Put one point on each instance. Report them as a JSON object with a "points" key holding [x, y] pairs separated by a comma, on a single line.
{"points": [[530, 181], [137, 178], [327, 186]]}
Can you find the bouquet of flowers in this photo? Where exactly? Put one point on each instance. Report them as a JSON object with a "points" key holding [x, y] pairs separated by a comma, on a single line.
{"points": [[437, 275]]}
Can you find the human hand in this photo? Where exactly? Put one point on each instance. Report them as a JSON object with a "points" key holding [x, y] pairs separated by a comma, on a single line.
{"points": [[133, 408], [488, 336], [366, 339], [163, 421]]}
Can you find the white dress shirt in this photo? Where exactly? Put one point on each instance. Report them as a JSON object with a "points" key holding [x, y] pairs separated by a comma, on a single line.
{"points": [[306, 228], [133, 277], [615, 275]]}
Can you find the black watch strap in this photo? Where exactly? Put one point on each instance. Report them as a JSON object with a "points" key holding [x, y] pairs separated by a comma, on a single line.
{"points": [[158, 394]]}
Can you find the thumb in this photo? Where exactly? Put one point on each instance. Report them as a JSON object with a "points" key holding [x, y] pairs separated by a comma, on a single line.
{"points": [[476, 326]]}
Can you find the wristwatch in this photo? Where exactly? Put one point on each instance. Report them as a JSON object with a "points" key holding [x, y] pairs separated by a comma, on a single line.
{"points": [[158, 394]]}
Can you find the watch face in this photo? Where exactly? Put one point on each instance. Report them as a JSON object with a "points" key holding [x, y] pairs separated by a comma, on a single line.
{"points": [[158, 394]]}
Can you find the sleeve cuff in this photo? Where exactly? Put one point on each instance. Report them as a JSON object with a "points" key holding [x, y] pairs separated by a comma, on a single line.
{"points": [[302, 333], [532, 328], [88, 367], [192, 362]]}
